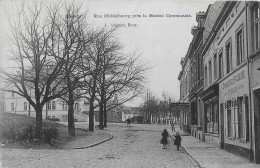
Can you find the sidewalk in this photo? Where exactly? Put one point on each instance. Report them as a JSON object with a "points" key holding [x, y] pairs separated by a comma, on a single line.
{"points": [[210, 156], [90, 140]]}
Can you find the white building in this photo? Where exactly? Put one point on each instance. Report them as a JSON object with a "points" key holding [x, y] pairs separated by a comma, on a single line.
{"points": [[57, 108]]}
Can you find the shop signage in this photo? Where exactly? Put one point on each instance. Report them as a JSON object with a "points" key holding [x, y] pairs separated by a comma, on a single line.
{"points": [[233, 90], [234, 79]]}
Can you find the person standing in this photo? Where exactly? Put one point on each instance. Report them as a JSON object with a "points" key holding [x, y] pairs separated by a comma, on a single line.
{"points": [[164, 139], [172, 126], [177, 140], [128, 122]]}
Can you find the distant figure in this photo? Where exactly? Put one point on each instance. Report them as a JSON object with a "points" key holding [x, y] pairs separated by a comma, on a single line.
{"points": [[177, 140], [164, 139], [128, 122], [172, 125]]}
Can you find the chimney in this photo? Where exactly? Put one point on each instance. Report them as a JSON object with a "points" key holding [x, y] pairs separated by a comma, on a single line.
{"points": [[200, 18]]}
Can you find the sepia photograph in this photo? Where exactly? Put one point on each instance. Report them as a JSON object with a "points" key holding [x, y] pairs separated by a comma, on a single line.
{"points": [[129, 84]]}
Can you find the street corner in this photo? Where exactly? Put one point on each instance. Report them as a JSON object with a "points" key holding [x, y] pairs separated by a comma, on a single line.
{"points": [[88, 141]]}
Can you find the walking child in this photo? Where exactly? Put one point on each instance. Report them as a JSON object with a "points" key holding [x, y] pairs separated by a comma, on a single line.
{"points": [[177, 140], [164, 139]]}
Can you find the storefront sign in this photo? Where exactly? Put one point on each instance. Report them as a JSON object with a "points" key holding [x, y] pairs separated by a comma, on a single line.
{"points": [[233, 90], [234, 79]]}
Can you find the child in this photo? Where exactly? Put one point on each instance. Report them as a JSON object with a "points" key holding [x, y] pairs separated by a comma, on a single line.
{"points": [[177, 140], [172, 124], [164, 139]]}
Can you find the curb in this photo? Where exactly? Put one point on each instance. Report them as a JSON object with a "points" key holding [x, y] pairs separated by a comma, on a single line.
{"points": [[95, 144], [187, 151]]}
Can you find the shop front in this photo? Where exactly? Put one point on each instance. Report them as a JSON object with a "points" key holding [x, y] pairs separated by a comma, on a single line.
{"points": [[181, 110], [255, 93], [234, 112], [211, 115]]}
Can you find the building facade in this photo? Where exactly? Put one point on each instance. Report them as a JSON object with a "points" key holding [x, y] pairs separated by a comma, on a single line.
{"points": [[228, 111], [55, 109], [254, 71], [184, 78]]}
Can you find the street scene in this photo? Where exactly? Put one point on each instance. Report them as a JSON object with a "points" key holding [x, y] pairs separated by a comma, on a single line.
{"points": [[130, 83], [134, 146], [131, 146]]}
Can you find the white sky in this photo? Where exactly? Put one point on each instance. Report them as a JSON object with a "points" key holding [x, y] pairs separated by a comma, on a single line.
{"points": [[162, 41]]}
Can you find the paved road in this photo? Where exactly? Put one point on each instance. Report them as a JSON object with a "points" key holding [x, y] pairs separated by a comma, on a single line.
{"points": [[135, 146]]}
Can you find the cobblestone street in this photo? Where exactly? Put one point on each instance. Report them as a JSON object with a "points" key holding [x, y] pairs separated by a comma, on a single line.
{"points": [[135, 146]]}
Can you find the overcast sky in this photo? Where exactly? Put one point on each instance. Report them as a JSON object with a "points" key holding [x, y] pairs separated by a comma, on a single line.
{"points": [[161, 40]]}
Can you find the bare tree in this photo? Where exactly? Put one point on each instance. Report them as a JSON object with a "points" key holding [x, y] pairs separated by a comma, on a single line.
{"points": [[126, 81], [92, 65], [73, 37], [111, 72], [34, 38]]}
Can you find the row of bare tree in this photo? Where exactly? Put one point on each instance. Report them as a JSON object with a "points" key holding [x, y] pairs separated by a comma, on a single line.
{"points": [[158, 111], [55, 52]]}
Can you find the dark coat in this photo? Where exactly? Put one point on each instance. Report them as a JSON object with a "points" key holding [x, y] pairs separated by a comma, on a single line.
{"points": [[164, 139], [177, 140], [128, 121]]}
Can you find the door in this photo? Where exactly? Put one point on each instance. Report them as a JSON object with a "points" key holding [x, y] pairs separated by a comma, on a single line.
{"points": [[221, 126], [257, 125]]}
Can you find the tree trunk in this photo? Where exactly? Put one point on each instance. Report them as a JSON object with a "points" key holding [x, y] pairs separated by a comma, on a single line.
{"points": [[71, 122], [105, 114], [91, 115], [91, 105], [101, 116], [38, 127]]}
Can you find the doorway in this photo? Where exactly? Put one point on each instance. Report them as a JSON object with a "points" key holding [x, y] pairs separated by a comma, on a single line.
{"points": [[257, 124], [221, 126]]}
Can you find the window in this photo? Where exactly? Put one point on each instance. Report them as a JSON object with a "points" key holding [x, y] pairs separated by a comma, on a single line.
{"points": [[246, 123], [53, 105], [229, 119], [25, 106], [215, 116], [186, 84], [64, 106], [12, 94], [215, 67], [255, 26], [229, 57], [206, 76], [12, 106], [240, 55], [181, 89], [220, 65], [240, 117], [76, 106], [210, 72], [191, 80], [49, 105]]}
